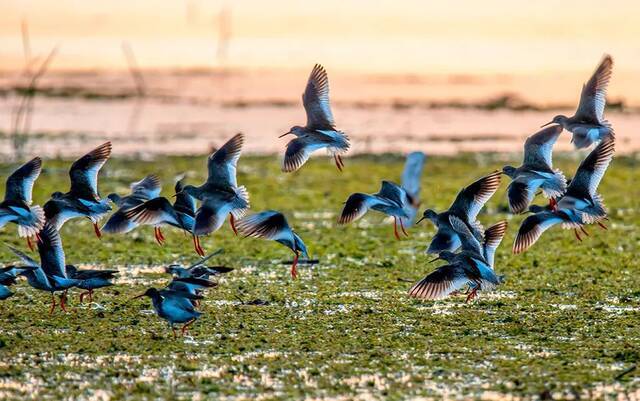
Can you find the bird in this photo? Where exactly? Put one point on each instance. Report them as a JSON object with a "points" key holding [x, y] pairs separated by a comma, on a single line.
{"points": [[588, 124], [536, 171], [190, 285], [90, 279], [580, 205], [468, 203], [220, 195], [411, 176], [273, 225], [198, 269], [174, 307], [156, 212], [8, 277], [320, 131], [16, 206], [51, 273], [473, 266], [391, 200], [141, 191], [83, 199]]}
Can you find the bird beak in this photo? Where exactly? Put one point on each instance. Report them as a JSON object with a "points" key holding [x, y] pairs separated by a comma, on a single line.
{"points": [[421, 218], [544, 125], [176, 194], [433, 260], [285, 134], [138, 296]]}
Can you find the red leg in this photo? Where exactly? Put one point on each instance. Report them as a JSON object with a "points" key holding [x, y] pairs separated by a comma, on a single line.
{"points": [[472, 294], [200, 250], [53, 304], [402, 226], [335, 157], [82, 294], [604, 227], [161, 235], [63, 301], [40, 240], [186, 326], [232, 221], [96, 229], [553, 204], [575, 231], [294, 266], [156, 234], [175, 334], [395, 228], [29, 244], [584, 231], [340, 160], [90, 295]]}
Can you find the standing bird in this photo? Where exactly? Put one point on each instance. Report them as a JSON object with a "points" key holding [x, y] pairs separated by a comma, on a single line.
{"points": [[588, 124], [580, 205], [411, 176], [473, 266], [51, 273], [83, 199], [536, 171], [141, 191], [391, 200], [320, 131], [91, 279], [466, 206], [174, 307], [272, 225], [16, 207], [8, 277], [220, 195]]}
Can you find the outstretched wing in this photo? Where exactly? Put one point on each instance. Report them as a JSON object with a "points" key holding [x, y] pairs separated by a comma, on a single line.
{"points": [[594, 93], [532, 228], [269, 224], [439, 283], [393, 192], [469, 241], [357, 206], [538, 148], [222, 164], [20, 182], [84, 172], [154, 212], [412, 173], [300, 149], [492, 239], [316, 100], [51, 252], [147, 188], [585, 182], [24, 257], [472, 198]]}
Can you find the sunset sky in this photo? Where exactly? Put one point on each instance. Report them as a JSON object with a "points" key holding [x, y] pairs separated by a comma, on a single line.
{"points": [[411, 36]]}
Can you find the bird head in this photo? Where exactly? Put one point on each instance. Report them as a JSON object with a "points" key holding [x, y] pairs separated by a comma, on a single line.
{"points": [[115, 198], [559, 119], [57, 195], [190, 190], [428, 214], [295, 130], [509, 170], [444, 255], [151, 293]]}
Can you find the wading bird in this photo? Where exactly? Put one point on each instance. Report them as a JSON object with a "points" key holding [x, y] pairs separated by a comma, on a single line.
{"points": [[320, 131], [174, 307], [198, 269], [141, 191], [90, 280], [411, 176]]}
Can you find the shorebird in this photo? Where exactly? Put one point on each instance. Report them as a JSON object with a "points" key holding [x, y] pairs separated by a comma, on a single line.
{"points": [[174, 307], [141, 191], [8, 277], [198, 269], [272, 225], [51, 273], [391, 200], [83, 199], [156, 212], [472, 266], [588, 124], [16, 207], [580, 205], [220, 195], [411, 176], [90, 279], [536, 171], [466, 206], [320, 131]]}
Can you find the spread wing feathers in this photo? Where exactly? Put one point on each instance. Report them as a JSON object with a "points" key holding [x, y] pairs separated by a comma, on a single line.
{"points": [[84, 172], [299, 150], [51, 252], [357, 206], [439, 283], [222, 164], [153, 212], [268, 225], [520, 194], [585, 182], [147, 188], [594, 93], [412, 173], [492, 238], [118, 223], [393, 192], [86, 274], [24, 257], [472, 198], [468, 240], [316, 100], [20, 182], [444, 241], [538, 148], [532, 228]]}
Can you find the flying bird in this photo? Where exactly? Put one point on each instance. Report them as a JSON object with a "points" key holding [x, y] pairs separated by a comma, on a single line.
{"points": [[411, 176], [8, 277], [320, 131], [466, 206], [536, 171], [198, 269], [588, 124], [141, 191], [16, 207], [83, 199], [391, 200]]}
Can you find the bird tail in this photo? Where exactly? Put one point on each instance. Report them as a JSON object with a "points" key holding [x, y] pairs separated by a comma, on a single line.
{"points": [[241, 204], [556, 186], [35, 225]]}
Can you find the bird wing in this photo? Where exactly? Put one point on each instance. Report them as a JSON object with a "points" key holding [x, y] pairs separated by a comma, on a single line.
{"points": [[591, 170], [594, 93], [222, 164], [153, 212], [357, 206], [184, 202], [20, 182], [269, 224], [24, 257], [520, 194], [439, 283], [84, 172], [492, 239], [412, 173], [51, 252], [393, 192], [472, 198], [444, 241], [147, 188], [316, 100], [300, 149], [209, 217], [202, 260], [469, 241], [532, 228], [538, 148]]}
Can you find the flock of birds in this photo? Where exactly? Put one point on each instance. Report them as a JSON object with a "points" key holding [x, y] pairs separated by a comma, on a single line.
{"points": [[460, 240]]}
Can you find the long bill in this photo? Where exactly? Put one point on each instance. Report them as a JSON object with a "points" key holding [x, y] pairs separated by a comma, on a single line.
{"points": [[138, 296], [544, 125], [421, 218], [285, 134]]}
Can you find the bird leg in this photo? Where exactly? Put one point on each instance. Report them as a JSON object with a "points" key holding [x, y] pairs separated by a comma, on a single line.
{"points": [[197, 246], [96, 229], [575, 231], [161, 235], [90, 295], [186, 326], [553, 204], [232, 221], [53, 304], [472, 294], [402, 226], [294, 265], [29, 244], [175, 334], [584, 231], [395, 228], [63, 301], [603, 226], [335, 157], [156, 233], [82, 294]]}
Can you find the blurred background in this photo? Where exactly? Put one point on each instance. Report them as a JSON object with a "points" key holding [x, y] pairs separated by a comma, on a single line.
{"points": [[180, 76]]}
